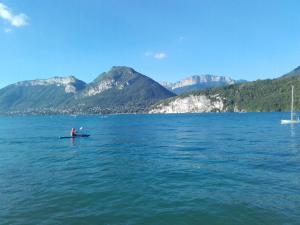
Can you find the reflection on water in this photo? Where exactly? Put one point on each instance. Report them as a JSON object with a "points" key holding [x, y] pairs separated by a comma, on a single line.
{"points": [[293, 130]]}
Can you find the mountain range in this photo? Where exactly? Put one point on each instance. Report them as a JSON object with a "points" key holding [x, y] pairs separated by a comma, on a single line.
{"points": [[124, 90], [120, 90], [199, 82]]}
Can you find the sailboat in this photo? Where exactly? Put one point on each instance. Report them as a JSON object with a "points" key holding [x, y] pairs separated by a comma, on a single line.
{"points": [[293, 119]]}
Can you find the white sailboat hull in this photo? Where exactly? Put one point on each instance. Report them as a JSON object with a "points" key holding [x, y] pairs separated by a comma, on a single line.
{"points": [[290, 121]]}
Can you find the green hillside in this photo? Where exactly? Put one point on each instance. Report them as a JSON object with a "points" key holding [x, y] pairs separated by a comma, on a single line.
{"points": [[22, 97]]}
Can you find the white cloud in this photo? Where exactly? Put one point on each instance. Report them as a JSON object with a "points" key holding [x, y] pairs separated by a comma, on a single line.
{"points": [[16, 20], [156, 55], [160, 55]]}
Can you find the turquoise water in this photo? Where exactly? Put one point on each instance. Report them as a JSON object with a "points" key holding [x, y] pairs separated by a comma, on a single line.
{"points": [[150, 169]]}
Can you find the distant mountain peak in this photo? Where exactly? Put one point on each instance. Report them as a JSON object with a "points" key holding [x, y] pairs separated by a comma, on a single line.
{"points": [[122, 68], [205, 78], [70, 83], [198, 82], [118, 77]]}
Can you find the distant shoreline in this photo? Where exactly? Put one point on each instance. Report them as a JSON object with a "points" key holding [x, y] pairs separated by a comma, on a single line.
{"points": [[116, 114]]}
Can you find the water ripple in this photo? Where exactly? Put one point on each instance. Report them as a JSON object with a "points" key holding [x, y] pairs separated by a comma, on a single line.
{"points": [[150, 169]]}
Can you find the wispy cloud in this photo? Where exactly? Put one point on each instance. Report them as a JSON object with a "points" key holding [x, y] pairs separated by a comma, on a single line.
{"points": [[156, 55], [16, 20], [160, 55]]}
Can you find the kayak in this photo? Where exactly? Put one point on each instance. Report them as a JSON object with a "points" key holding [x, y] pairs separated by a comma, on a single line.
{"points": [[77, 136]]}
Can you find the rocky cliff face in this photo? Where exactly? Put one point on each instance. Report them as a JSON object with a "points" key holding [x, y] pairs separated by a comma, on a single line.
{"points": [[103, 86], [190, 104]]}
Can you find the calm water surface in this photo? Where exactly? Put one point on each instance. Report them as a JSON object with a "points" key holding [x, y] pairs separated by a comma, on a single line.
{"points": [[150, 169]]}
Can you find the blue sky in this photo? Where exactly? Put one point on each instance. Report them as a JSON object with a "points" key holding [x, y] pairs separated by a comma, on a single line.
{"points": [[164, 39]]}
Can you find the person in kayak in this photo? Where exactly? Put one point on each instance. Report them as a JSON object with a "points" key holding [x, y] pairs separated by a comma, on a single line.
{"points": [[73, 132]]}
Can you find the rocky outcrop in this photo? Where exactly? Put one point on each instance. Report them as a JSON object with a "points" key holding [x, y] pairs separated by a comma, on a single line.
{"points": [[105, 85]]}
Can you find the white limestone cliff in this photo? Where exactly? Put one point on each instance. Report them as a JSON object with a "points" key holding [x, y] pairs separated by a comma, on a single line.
{"points": [[191, 104]]}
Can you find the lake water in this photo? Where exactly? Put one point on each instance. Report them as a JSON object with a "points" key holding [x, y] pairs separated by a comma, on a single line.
{"points": [[206, 169]]}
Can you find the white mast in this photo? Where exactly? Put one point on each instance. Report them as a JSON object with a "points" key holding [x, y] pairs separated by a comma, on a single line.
{"points": [[292, 105]]}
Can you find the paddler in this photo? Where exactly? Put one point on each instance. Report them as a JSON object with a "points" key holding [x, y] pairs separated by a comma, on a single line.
{"points": [[73, 132]]}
